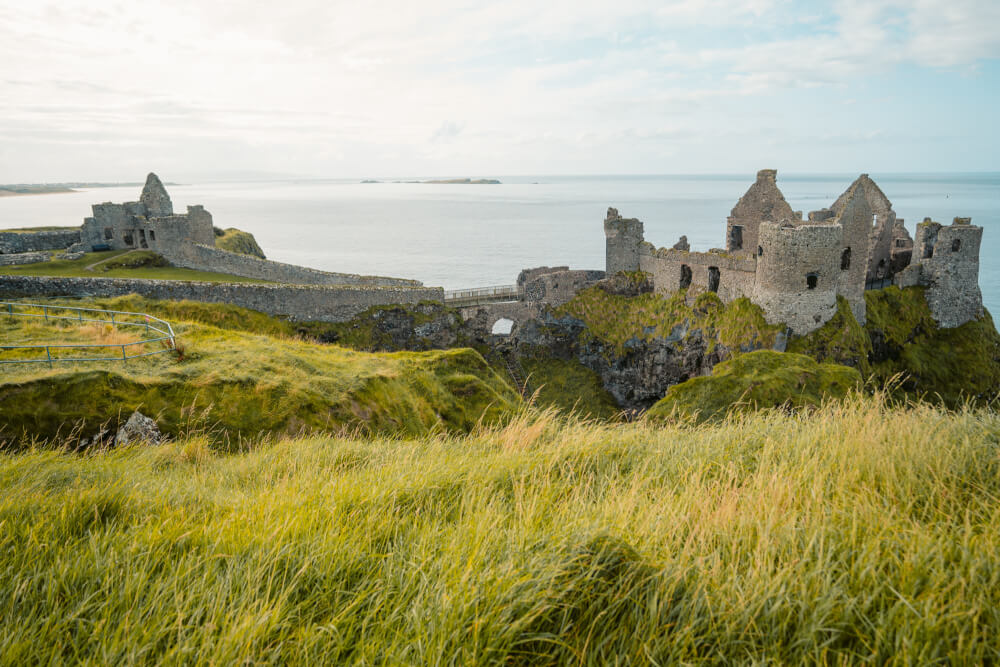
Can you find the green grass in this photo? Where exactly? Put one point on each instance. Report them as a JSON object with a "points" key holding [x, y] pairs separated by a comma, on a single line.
{"points": [[30, 230], [237, 385], [568, 386], [857, 534], [615, 320], [238, 241], [77, 268], [761, 379], [841, 340]]}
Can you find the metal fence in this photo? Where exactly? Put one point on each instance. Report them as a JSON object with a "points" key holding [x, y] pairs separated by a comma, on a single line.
{"points": [[155, 331], [482, 294]]}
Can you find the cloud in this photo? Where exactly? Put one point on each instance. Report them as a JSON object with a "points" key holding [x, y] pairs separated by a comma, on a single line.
{"points": [[447, 131]]}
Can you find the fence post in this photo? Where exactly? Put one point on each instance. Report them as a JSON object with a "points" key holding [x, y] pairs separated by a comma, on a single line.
{"points": [[48, 355], [45, 309], [10, 309], [124, 358]]}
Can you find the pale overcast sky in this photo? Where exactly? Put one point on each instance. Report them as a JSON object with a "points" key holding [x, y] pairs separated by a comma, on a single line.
{"points": [[104, 90]]}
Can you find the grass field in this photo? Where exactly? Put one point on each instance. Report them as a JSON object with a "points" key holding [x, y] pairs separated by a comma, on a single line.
{"points": [[859, 533], [237, 384], [77, 268]]}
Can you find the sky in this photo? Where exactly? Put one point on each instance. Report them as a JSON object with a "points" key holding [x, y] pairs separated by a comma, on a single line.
{"points": [[199, 89]]}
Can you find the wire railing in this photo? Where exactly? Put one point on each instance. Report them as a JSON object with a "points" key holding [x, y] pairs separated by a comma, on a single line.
{"points": [[155, 331], [483, 294]]}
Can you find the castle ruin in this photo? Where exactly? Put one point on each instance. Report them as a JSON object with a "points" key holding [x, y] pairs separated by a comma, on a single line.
{"points": [[795, 268]]}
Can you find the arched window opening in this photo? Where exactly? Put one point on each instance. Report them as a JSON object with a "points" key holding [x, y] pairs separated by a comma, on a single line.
{"points": [[956, 245], [502, 327], [880, 270], [812, 280], [713, 279], [685, 276], [760, 251], [736, 237], [875, 220], [845, 259]]}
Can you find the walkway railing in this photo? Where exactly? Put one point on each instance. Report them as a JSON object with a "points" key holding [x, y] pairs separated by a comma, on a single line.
{"points": [[155, 331], [478, 295]]}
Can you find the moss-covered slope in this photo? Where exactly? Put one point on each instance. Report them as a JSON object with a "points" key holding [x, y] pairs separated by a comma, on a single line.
{"points": [[236, 240], [568, 386], [951, 365], [761, 379]]}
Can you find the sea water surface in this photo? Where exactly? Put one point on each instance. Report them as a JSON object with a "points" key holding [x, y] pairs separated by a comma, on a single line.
{"points": [[478, 235]]}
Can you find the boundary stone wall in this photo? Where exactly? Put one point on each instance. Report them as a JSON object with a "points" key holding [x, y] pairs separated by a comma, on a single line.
{"points": [[21, 242], [24, 258], [205, 258], [297, 302]]}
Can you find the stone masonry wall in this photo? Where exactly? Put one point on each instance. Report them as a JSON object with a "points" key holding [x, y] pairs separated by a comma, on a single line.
{"points": [[762, 202], [951, 272], [24, 258], [297, 302], [18, 242], [798, 273], [623, 239], [556, 288], [855, 215], [204, 258], [668, 267]]}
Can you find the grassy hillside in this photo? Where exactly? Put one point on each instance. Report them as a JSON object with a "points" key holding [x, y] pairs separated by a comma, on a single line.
{"points": [[236, 384], [92, 265], [238, 241], [859, 534], [761, 379]]}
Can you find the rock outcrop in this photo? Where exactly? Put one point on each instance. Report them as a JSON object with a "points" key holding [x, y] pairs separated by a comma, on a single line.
{"points": [[138, 429]]}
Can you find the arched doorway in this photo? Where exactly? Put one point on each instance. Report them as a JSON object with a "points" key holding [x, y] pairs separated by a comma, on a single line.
{"points": [[502, 327]]}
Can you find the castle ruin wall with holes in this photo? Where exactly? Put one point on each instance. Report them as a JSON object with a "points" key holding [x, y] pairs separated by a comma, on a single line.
{"points": [[795, 268]]}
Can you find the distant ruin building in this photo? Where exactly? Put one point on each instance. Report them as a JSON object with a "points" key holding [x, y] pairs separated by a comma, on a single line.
{"points": [[795, 269], [148, 223]]}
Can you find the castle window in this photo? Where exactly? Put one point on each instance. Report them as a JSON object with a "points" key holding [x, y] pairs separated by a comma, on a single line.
{"points": [[875, 221], [956, 245], [845, 259], [109, 233], [127, 238], [736, 237], [928, 251], [812, 280], [685, 276], [152, 235], [760, 251], [713, 279]]}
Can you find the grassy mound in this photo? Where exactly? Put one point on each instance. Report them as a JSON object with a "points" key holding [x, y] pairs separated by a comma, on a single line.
{"points": [[615, 319], [241, 385], [238, 241], [569, 387], [950, 365], [861, 534], [761, 379], [134, 260]]}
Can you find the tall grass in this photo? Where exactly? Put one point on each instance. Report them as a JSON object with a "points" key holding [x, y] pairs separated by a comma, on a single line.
{"points": [[857, 533]]}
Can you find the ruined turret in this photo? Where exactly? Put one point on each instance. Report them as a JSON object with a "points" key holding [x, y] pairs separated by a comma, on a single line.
{"points": [[763, 202], [623, 238], [854, 215], [155, 198]]}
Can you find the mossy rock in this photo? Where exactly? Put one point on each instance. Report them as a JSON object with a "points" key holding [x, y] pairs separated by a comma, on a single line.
{"points": [[238, 241], [932, 363], [761, 379], [568, 386], [841, 340]]}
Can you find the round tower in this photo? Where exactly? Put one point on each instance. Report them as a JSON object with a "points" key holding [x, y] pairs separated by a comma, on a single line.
{"points": [[798, 270]]}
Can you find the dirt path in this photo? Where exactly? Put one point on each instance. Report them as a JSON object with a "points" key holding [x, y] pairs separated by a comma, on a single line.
{"points": [[108, 259]]}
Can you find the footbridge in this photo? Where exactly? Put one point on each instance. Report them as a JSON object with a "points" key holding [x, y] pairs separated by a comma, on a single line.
{"points": [[479, 296]]}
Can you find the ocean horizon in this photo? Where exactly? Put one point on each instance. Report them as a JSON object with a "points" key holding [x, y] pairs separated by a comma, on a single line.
{"points": [[457, 235]]}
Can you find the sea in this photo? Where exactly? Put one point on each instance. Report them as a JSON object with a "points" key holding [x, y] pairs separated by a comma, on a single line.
{"points": [[460, 236]]}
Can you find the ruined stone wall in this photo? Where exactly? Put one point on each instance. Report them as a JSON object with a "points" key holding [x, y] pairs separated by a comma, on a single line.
{"points": [[527, 275], [24, 258], [949, 267], [204, 258], [672, 270], [762, 202], [623, 239], [480, 319], [20, 242], [855, 216], [798, 274], [297, 302], [557, 287]]}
